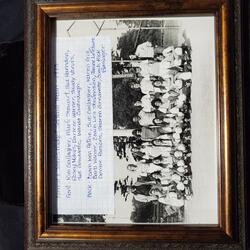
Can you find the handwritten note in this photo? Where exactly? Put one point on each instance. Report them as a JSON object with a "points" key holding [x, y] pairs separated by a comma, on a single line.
{"points": [[84, 125]]}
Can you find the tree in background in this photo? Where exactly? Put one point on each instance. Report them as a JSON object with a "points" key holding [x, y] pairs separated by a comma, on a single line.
{"points": [[131, 39], [123, 104], [143, 212]]}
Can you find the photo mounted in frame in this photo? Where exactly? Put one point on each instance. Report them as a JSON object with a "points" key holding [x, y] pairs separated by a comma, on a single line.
{"points": [[130, 120], [145, 162]]}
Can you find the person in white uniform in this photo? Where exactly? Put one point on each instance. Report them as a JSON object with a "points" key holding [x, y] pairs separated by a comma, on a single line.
{"points": [[144, 118], [143, 169], [145, 103], [145, 50], [147, 87]]}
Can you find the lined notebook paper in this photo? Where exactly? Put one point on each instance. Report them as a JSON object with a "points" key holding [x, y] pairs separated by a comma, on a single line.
{"points": [[84, 126]]}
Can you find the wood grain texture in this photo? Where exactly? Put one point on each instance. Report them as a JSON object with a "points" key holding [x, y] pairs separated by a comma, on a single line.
{"points": [[40, 234]]}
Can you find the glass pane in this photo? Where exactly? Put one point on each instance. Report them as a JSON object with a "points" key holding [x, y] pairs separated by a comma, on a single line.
{"points": [[134, 121]]}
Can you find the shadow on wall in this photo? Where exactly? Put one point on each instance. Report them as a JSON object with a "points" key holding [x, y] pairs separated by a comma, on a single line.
{"points": [[11, 146], [11, 227], [11, 106]]}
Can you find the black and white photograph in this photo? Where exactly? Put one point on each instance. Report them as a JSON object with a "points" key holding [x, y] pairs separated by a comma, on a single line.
{"points": [[159, 153]]}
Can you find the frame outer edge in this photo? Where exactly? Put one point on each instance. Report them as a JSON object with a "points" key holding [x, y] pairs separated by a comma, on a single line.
{"points": [[240, 128], [29, 143]]}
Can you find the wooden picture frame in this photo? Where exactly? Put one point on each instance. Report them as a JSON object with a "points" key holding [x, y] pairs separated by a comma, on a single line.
{"points": [[41, 233]]}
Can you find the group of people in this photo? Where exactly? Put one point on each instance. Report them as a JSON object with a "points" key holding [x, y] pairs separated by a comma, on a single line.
{"points": [[161, 148]]}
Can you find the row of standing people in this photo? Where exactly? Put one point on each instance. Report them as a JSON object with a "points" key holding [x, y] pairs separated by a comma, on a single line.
{"points": [[162, 150]]}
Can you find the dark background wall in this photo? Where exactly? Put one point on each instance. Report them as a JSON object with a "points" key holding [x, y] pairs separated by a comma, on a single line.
{"points": [[11, 106], [246, 78]]}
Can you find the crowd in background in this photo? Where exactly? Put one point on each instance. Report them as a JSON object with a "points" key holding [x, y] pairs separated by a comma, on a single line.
{"points": [[161, 146]]}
